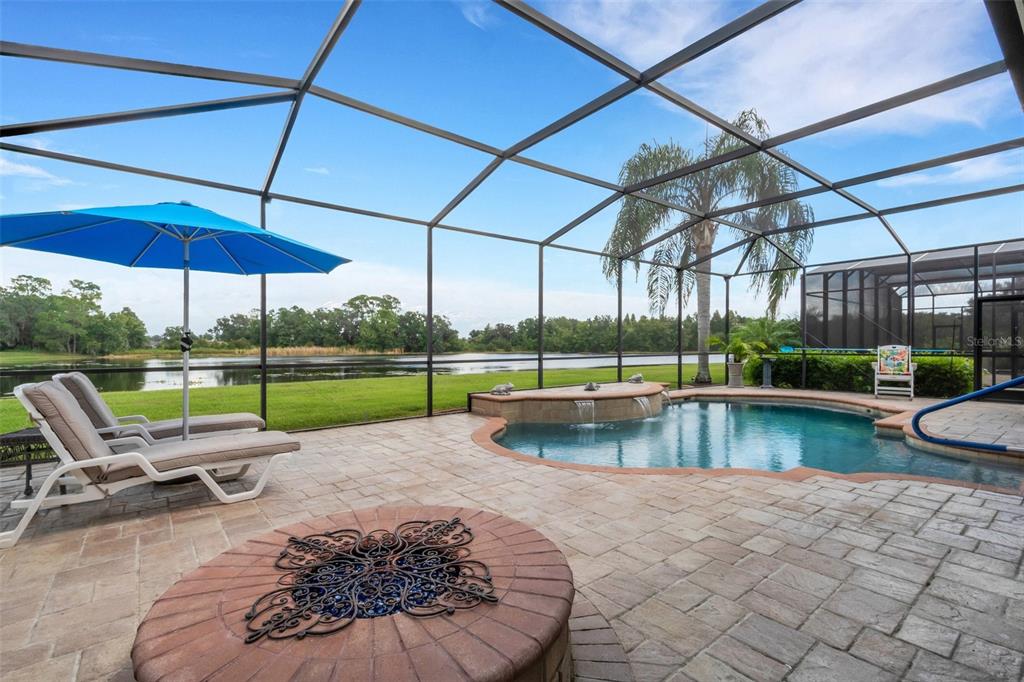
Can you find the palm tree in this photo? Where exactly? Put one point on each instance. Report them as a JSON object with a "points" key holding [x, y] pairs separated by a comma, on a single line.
{"points": [[749, 178], [769, 333]]}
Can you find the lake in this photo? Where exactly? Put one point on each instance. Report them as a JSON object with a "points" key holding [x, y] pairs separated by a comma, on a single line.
{"points": [[149, 375]]}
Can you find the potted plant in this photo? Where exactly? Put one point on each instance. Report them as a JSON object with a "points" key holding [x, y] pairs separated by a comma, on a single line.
{"points": [[736, 354]]}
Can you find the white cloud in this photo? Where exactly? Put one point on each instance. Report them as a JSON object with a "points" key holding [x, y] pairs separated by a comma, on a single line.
{"points": [[318, 170], [810, 62], [964, 172], [477, 12], [35, 142], [10, 168], [643, 32]]}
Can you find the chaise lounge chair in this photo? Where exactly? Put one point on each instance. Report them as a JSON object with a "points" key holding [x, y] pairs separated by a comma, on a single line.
{"points": [[95, 464], [99, 413], [894, 372]]}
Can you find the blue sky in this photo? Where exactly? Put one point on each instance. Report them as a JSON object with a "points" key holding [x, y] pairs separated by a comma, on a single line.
{"points": [[477, 70]]}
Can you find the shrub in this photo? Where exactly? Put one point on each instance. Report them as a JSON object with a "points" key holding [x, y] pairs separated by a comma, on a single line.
{"points": [[938, 377], [944, 377]]}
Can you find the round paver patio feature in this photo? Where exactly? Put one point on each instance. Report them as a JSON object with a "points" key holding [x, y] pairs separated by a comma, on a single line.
{"points": [[197, 629]]}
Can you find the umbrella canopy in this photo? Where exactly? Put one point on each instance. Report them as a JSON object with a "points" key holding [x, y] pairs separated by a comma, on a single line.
{"points": [[168, 235], [151, 236]]}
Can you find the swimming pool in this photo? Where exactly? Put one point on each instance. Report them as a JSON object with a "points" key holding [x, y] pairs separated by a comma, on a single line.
{"points": [[713, 435]]}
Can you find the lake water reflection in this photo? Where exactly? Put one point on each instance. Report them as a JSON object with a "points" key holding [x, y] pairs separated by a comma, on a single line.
{"points": [[161, 374]]}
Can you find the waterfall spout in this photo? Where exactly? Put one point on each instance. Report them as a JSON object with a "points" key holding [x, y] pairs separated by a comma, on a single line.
{"points": [[667, 397], [585, 411], [645, 405]]}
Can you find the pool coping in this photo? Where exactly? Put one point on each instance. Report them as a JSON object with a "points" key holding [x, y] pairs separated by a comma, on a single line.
{"points": [[615, 401], [895, 420], [613, 390]]}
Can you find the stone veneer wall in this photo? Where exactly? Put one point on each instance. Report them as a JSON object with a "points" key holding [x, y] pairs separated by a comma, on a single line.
{"points": [[564, 411], [551, 408]]}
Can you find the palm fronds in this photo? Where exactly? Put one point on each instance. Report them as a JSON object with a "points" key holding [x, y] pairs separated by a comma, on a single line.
{"points": [[748, 178]]}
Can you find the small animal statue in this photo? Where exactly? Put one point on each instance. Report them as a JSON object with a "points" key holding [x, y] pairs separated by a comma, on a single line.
{"points": [[502, 389], [636, 379], [592, 386]]}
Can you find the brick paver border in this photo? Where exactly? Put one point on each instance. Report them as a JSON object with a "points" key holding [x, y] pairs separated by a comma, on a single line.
{"points": [[196, 629]]}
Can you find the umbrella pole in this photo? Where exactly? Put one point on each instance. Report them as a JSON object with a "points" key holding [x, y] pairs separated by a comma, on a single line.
{"points": [[186, 345]]}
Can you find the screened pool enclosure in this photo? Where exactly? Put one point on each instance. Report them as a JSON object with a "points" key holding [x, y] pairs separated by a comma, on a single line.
{"points": [[896, 258], [958, 296]]}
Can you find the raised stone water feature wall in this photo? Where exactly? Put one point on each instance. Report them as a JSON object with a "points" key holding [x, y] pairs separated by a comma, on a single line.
{"points": [[572, 404]]}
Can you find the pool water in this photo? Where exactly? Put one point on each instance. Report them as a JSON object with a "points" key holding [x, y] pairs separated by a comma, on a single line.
{"points": [[713, 435]]}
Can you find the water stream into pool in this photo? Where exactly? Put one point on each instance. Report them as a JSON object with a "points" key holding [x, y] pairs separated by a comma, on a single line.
{"points": [[645, 406], [585, 412]]}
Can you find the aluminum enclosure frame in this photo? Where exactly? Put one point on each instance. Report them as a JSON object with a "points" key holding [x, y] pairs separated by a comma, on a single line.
{"points": [[295, 90]]}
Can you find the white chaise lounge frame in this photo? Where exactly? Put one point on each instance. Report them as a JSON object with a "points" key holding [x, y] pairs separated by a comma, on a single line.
{"points": [[71, 472]]}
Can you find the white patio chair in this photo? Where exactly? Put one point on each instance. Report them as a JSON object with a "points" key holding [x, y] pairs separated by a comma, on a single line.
{"points": [[101, 416], [894, 371], [100, 471]]}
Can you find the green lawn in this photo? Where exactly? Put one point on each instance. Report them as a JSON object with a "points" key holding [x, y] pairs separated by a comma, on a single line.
{"points": [[304, 404], [10, 358]]}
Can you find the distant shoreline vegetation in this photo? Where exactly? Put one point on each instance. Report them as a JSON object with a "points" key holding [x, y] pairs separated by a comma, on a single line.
{"points": [[12, 356], [36, 321]]}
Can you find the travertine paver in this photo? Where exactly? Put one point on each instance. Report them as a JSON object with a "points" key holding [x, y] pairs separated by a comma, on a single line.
{"points": [[1001, 662], [734, 577], [986, 423], [825, 664], [928, 635]]}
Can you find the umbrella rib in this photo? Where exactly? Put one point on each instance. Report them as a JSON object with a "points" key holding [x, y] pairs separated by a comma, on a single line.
{"points": [[290, 255], [210, 234], [178, 231], [173, 234], [228, 254], [144, 250], [58, 233]]}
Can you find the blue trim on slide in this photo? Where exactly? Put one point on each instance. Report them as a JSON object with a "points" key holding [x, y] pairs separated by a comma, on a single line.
{"points": [[916, 421]]}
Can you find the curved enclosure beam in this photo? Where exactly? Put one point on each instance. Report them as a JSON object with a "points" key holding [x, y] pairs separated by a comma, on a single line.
{"points": [[15, 129], [636, 79], [54, 54], [689, 53], [319, 59], [753, 145]]}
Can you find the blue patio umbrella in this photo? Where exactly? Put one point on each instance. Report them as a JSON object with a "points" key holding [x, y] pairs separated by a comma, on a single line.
{"points": [[165, 235]]}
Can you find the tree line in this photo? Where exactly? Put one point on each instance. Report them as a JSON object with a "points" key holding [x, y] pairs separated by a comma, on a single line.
{"points": [[35, 317], [379, 323]]}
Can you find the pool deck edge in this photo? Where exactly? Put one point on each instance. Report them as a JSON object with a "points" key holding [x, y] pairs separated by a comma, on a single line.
{"points": [[896, 423]]}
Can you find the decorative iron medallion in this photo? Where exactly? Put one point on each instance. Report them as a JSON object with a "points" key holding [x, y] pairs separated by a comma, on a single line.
{"points": [[421, 568]]}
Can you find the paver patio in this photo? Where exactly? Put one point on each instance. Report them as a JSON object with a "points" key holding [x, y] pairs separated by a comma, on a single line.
{"points": [[732, 577]]}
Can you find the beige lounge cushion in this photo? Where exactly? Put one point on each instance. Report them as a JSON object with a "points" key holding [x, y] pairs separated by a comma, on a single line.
{"points": [[89, 399], [205, 451], [206, 423], [69, 422], [96, 408]]}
